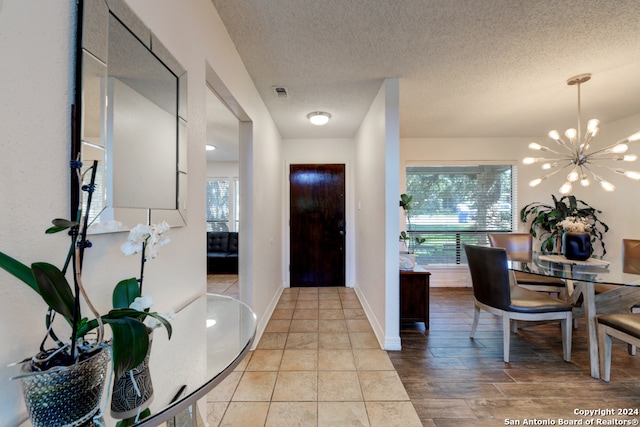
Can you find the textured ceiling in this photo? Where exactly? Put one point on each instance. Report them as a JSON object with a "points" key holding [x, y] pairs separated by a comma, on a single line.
{"points": [[466, 67]]}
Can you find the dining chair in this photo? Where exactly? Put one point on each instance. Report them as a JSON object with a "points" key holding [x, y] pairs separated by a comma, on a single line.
{"points": [[625, 327], [620, 300], [519, 247], [495, 290]]}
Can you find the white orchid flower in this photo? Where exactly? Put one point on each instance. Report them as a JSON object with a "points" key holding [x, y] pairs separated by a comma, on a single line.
{"points": [[142, 303]]}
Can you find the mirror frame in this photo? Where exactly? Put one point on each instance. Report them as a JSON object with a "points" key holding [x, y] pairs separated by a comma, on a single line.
{"points": [[92, 39]]}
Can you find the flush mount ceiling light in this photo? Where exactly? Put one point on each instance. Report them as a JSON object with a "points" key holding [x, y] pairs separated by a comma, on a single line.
{"points": [[574, 153], [210, 147], [319, 118]]}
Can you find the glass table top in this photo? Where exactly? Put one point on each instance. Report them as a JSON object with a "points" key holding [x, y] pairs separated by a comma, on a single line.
{"points": [[613, 270], [210, 337]]}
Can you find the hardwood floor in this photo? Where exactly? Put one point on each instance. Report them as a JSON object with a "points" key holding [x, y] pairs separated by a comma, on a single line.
{"points": [[455, 381]]}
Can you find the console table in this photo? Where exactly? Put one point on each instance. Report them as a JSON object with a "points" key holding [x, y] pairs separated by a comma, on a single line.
{"points": [[211, 336], [414, 296]]}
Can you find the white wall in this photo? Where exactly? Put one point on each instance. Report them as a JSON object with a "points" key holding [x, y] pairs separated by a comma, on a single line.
{"points": [[377, 226], [38, 56], [339, 151], [227, 170]]}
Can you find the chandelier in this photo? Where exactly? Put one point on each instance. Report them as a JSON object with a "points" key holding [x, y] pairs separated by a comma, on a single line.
{"points": [[573, 153]]}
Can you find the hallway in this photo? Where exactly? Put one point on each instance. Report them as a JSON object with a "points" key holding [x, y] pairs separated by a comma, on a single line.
{"points": [[318, 364]]}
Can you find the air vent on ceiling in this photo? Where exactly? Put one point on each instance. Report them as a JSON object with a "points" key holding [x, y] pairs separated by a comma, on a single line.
{"points": [[281, 92]]}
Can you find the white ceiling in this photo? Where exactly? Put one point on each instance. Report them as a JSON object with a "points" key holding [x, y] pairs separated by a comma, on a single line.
{"points": [[483, 68]]}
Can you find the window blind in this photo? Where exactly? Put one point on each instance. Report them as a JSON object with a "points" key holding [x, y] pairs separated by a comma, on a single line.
{"points": [[217, 205], [455, 205]]}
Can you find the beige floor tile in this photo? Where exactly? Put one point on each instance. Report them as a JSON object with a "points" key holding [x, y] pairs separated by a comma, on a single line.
{"points": [[303, 340], [278, 326], [304, 325], [308, 296], [286, 304], [299, 360], [224, 391], [243, 363], [282, 314], [392, 414], [369, 359], [305, 314], [245, 414], [358, 325], [331, 304], [265, 360], [292, 414], [354, 313], [329, 295], [289, 296], [339, 386], [341, 414], [330, 314], [335, 360], [337, 340], [382, 386], [296, 386], [303, 304], [363, 340], [272, 341], [255, 386], [332, 325], [215, 412]]}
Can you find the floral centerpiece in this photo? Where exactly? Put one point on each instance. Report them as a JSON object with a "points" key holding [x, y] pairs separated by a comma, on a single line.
{"points": [[575, 224], [128, 345], [544, 221]]}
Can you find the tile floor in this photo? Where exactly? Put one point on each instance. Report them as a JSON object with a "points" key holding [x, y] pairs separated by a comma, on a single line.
{"points": [[318, 364]]}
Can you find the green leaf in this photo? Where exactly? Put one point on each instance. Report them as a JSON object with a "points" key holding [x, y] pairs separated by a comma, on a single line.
{"points": [[19, 270], [130, 343], [60, 224], [164, 322], [54, 288], [125, 292]]}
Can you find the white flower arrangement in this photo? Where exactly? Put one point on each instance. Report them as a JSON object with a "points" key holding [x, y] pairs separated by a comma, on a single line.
{"points": [[575, 224], [147, 238]]}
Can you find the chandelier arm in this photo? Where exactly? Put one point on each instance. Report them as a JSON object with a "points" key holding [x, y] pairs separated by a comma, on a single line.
{"points": [[567, 146], [607, 149]]}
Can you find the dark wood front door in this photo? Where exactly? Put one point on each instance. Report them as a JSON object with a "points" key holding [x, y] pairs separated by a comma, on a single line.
{"points": [[317, 225]]}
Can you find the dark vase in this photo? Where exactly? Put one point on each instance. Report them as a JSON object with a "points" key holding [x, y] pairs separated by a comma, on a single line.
{"points": [[129, 400], [576, 245]]}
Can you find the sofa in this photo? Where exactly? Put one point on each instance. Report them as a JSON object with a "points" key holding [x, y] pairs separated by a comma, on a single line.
{"points": [[222, 252]]}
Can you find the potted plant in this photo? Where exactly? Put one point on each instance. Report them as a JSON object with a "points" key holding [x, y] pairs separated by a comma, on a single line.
{"points": [[407, 256], [546, 221], [53, 377]]}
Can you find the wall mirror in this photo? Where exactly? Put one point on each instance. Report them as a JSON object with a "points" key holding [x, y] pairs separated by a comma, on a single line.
{"points": [[131, 118]]}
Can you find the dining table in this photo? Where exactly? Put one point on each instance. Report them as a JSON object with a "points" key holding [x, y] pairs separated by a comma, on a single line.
{"points": [[581, 278]]}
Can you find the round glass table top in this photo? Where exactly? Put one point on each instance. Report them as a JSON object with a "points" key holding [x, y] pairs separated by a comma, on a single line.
{"points": [[211, 336]]}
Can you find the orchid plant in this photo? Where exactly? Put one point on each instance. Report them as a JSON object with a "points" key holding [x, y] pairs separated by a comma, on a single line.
{"points": [[130, 340]]}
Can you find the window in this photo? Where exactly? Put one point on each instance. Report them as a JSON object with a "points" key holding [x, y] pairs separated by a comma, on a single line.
{"points": [[456, 205], [217, 204]]}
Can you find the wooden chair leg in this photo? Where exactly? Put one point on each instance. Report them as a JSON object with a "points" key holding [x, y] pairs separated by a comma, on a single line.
{"points": [[476, 317], [566, 326], [506, 336], [604, 349]]}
